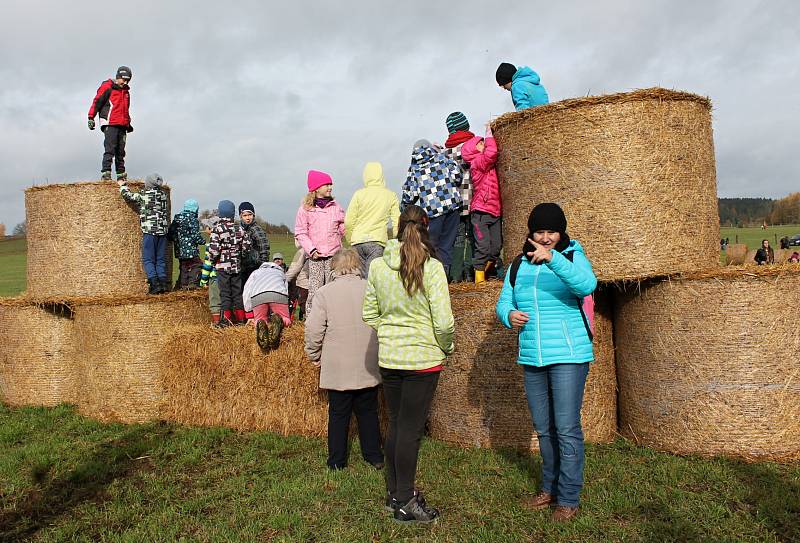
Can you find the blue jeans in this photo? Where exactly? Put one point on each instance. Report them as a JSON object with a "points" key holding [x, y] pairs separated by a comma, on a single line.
{"points": [[154, 250], [442, 231], [555, 395]]}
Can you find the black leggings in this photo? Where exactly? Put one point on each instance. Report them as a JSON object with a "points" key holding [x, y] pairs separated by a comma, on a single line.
{"points": [[408, 398]]}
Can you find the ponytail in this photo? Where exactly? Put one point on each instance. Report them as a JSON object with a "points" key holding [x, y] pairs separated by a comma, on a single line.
{"points": [[415, 248]]}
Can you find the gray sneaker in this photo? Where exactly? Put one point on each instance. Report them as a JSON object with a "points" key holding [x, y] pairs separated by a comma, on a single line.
{"points": [[415, 512]]}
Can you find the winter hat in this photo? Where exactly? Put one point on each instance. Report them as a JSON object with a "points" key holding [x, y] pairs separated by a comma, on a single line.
{"points": [[317, 179], [153, 180], [456, 121], [505, 73], [226, 209], [276, 256], [422, 143], [547, 217], [191, 205], [246, 206], [123, 72]]}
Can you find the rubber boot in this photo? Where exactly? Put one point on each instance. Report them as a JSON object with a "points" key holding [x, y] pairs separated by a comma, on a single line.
{"points": [[215, 320], [153, 284], [224, 319], [239, 317], [480, 276], [488, 268]]}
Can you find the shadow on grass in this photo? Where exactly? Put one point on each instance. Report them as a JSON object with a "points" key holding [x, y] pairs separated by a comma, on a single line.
{"points": [[47, 500]]}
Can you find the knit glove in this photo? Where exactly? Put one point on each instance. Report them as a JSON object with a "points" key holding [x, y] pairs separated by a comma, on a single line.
{"points": [[129, 129], [91, 124]]}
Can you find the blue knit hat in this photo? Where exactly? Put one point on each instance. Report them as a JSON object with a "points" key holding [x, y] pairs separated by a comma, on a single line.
{"points": [[456, 121], [191, 205], [226, 209]]}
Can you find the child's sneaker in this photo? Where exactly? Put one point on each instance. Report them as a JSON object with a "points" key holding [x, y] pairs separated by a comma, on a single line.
{"points": [[275, 327], [153, 286], [105, 176], [262, 335], [121, 176], [415, 512]]}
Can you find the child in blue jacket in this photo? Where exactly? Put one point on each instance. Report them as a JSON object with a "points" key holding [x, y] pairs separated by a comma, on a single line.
{"points": [[524, 85]]}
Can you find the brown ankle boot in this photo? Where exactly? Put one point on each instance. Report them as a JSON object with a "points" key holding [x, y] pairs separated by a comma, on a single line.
{"points": [[563, 513], [542, 500]]}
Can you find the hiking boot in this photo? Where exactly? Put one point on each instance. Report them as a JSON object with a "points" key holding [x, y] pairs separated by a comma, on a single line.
{"points": [[121, 176], [224, 321], [262, 335], [165, 286], [105, 176], [152, 282], [391, 504], [542, 500], [275, 327], [564, 513], [415, 512]]}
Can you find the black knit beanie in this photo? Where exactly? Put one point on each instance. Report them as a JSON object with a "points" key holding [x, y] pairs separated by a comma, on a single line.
{"points": [[247, 206], [505, 73], [547, 216]]}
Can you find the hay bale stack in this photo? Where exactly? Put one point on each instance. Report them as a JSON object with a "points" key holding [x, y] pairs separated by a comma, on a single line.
{"points": [[121, 342], [736, 253], [221, 378], [84, 240], [37, 358], [634, 172], [708, 364], [480, 401]]}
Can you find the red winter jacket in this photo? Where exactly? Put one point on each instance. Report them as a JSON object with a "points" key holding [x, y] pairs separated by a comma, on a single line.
{"points": [[485, 188], [112, 103]]}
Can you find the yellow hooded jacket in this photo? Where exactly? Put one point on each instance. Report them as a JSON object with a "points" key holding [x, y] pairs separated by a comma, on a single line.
{"points": [[371, 208]]}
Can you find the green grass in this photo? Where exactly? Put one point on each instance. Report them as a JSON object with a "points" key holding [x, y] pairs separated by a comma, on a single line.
{"points": [[65, 478], [752, 236]]}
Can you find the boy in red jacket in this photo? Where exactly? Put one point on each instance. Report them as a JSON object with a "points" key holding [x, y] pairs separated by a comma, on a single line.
{"points": [[112, 105]]}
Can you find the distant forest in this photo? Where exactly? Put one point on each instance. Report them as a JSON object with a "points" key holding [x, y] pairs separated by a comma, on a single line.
{"points": [[744, 211]]}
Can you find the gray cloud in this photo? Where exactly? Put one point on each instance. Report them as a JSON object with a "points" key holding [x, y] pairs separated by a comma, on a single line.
{"points": [[239, 100]]}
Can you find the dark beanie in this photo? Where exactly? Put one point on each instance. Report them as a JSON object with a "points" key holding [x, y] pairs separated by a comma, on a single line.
{"points": [[247, 206], [505, 73], [456, 121], [123, 72], [547, 217], [226, 209]]}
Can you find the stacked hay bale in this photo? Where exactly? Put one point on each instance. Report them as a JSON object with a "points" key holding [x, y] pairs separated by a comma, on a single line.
{"points": [[708, 363], [480, 400], [736, 253]]}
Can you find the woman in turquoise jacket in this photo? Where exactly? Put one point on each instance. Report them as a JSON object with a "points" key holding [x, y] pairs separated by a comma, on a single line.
{"points": [[555, 350]]}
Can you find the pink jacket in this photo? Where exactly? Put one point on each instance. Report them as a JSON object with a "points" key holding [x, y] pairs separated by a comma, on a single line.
{"points": [[485, 188], [320, 228]]}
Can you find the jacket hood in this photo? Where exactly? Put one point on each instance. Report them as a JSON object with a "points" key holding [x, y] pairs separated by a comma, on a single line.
{"points": [[574, 247], [191, 205], [266, 265], [423, 155], [391, 254], [526, 74], [470, 148], [373, 175]]}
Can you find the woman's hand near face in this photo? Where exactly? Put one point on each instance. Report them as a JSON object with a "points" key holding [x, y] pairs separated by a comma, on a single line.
{"points": [[517, 318], [541, 253]]}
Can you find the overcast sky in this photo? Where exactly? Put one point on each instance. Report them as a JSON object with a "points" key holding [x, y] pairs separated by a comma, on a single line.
{"points": [[237, 100]]}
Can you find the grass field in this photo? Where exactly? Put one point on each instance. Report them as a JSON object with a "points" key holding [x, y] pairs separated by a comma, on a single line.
{"points": [[753, 236], [65, 478]]}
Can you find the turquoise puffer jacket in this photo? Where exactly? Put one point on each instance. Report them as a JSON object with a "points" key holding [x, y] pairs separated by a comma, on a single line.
{"points": [[549, 293], [527, 90]]}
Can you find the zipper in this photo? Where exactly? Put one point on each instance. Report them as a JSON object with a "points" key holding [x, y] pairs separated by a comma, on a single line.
{"points": [[536, 307], [565, 329]]}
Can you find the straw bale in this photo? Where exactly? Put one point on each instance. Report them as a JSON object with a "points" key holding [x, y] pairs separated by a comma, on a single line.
{"points": [[37, 359], [2, 230], [121, 344], [84, 240], [480, 401], [634, 172], [707, 364], [736, 253]]}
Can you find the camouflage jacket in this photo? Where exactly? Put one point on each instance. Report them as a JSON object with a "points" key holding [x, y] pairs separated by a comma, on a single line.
{"points": [[184, 232], [259, 247], [153, 208], [227, 245]]}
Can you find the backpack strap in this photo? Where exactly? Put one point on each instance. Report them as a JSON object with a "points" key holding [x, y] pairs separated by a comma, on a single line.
{"points": [[514, 269]]}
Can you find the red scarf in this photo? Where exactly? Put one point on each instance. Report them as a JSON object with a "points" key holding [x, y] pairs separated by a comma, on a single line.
{"points": [[457, 138]]}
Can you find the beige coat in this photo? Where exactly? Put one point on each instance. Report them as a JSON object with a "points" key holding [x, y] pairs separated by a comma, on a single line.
{"points": [[337, 336]]}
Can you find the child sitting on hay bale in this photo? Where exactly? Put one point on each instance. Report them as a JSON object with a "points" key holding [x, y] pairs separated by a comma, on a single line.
{"points": [[524, 84], [266, 300], [184, 232], [228, 242], [208, 277], [153, 207]]}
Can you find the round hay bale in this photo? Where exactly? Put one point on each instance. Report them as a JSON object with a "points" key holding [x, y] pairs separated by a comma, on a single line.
{"points": [[736, 253], [37, 358], [634, 173], [707, 364], [84, 240], [480, 400], [121, 342]]}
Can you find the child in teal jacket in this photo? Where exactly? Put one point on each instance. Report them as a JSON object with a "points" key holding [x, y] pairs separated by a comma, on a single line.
{"points": [[524, 84]]}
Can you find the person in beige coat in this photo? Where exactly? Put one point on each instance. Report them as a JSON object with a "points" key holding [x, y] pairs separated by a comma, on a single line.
{"points": [[346, 350]]}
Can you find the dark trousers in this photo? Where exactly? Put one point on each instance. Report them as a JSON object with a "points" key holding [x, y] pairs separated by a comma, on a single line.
{"points": [[341, 405], [230, 291], [461, 267], [114, 145], [488, 233], [189, 274], [154, 249], [408, 399], [442, 231]]}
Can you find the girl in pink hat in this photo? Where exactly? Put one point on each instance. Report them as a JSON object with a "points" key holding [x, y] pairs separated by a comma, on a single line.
{"points": [[318, 229]]}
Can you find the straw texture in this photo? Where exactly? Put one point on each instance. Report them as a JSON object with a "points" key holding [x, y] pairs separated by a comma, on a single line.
{"points": [[37, 357], [84, 240], [121, 344], [736, 253], [708, 363], [634, 172], [480, 400]]}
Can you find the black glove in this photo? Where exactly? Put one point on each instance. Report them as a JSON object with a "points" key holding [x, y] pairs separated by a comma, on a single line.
{"points": [[129, 129], [91, 124]]}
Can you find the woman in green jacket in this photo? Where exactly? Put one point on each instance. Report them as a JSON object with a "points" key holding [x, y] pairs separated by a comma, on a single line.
{"points": [[408, 303]]}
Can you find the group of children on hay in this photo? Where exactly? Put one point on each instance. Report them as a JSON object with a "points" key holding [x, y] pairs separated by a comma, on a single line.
{"points": [[396, 327]]}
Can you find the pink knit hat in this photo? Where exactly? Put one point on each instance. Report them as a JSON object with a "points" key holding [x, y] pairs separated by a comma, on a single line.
{"points": [[317, 179]]}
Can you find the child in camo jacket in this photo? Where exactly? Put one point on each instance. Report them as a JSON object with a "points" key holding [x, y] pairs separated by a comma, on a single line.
{"points": [[184, 233], [225, 248], [153, 207]]}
